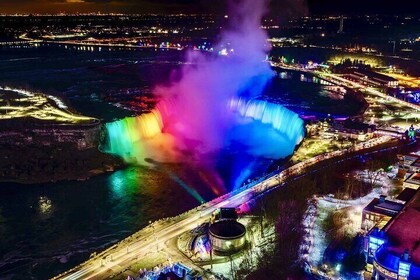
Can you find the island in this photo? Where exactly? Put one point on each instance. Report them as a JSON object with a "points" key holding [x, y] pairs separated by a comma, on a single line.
{"points": [[43, 140]]}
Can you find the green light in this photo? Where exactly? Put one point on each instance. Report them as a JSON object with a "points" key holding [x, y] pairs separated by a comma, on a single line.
{"points": [[124, 183]]}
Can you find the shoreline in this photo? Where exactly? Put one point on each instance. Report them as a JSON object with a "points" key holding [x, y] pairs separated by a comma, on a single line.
{"points": [[90, 174], [255, 188], [38, 165]]}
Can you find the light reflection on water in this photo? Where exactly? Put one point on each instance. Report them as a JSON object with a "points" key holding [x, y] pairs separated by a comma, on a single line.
{"points": [[39, 224], [45, 206]]}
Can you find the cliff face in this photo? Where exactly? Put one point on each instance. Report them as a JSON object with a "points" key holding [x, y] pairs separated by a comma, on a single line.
{"points": [[48, 153], [27, 132]]}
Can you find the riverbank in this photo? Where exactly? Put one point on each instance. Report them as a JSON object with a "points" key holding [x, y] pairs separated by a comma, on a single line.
{"points": [[127, 251]]}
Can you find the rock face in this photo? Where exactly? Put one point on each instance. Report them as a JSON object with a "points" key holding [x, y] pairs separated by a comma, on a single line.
{"points": [[33, 153], [30, 132]]}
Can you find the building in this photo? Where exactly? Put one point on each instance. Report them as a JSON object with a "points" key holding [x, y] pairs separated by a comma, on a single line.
{"points": [[408, 165], [176, 271], [389, 131], [393, 252], [372, 78], [412, 181], [379, 212], [406, 195], [375, 239], [224, 214], [227, 214], [227, 236], [410, 162], [169, 276], [349, 129]]}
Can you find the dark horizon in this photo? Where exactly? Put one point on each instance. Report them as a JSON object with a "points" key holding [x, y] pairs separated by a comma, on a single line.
{"points": [[282, 8]]}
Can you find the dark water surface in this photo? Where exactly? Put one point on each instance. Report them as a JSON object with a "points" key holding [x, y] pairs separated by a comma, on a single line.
{"points": [[48, 228]]}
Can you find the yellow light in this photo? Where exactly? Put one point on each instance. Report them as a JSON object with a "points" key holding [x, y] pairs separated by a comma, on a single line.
{"points": [[40, 107]]}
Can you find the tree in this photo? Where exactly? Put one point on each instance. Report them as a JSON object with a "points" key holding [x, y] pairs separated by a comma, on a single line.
{"points": [[373, 167]]}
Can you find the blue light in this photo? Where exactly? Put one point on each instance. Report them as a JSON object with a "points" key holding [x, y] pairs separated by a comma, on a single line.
{"points": [[404, 269]]}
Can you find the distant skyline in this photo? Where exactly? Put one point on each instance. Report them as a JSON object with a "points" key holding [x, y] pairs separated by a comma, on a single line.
{"points": [[277, 7]]}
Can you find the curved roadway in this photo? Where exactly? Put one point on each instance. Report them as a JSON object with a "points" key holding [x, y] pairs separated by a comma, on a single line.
{"points": [[139, 244]]}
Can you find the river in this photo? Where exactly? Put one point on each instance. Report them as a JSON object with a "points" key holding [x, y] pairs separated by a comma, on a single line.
{"points": [[48, 228]]}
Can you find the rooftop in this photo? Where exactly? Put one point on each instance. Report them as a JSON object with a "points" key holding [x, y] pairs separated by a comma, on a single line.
{"points": [[404, 230], [410, 159], [406, 195], [414, 179], [384, 207], [227, 229]]}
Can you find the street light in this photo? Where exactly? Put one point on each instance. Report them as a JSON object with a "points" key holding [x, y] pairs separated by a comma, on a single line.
{"points": [[154, 235]]}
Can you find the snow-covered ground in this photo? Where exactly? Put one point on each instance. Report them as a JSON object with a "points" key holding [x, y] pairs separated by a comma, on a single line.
{"points": [[320, 207]]}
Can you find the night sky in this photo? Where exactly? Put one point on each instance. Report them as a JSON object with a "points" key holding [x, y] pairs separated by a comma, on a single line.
{"points": [[287, 7]]}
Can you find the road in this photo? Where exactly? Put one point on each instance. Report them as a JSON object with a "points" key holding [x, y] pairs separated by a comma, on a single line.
{"points": [[147, 240]]}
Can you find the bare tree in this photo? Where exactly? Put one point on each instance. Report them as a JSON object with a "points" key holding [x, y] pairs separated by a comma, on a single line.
{"points": [[373, 166]]}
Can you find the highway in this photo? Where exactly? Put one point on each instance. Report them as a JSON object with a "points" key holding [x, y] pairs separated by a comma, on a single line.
{"points": [[148, 240]]}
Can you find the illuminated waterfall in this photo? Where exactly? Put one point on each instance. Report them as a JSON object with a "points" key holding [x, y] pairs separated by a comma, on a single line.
{"points": [[282, 130], [278, 117], [196, 117], [125, 137]]}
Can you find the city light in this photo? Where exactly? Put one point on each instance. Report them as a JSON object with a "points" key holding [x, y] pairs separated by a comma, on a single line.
{"points": [[230, 140], [42, 107]]}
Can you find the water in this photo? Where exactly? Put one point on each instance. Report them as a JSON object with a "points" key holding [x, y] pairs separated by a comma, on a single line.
{"points": [[307, 97], [48, 228], [124, 137], [89, 81]]}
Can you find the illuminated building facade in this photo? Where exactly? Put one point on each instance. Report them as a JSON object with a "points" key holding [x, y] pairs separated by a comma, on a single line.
{"points": [[226, 234], [393, 252], [379, 211]]}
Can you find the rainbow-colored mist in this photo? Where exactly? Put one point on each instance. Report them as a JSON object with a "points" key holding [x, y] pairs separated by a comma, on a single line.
{"points": [[264, 129]]}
